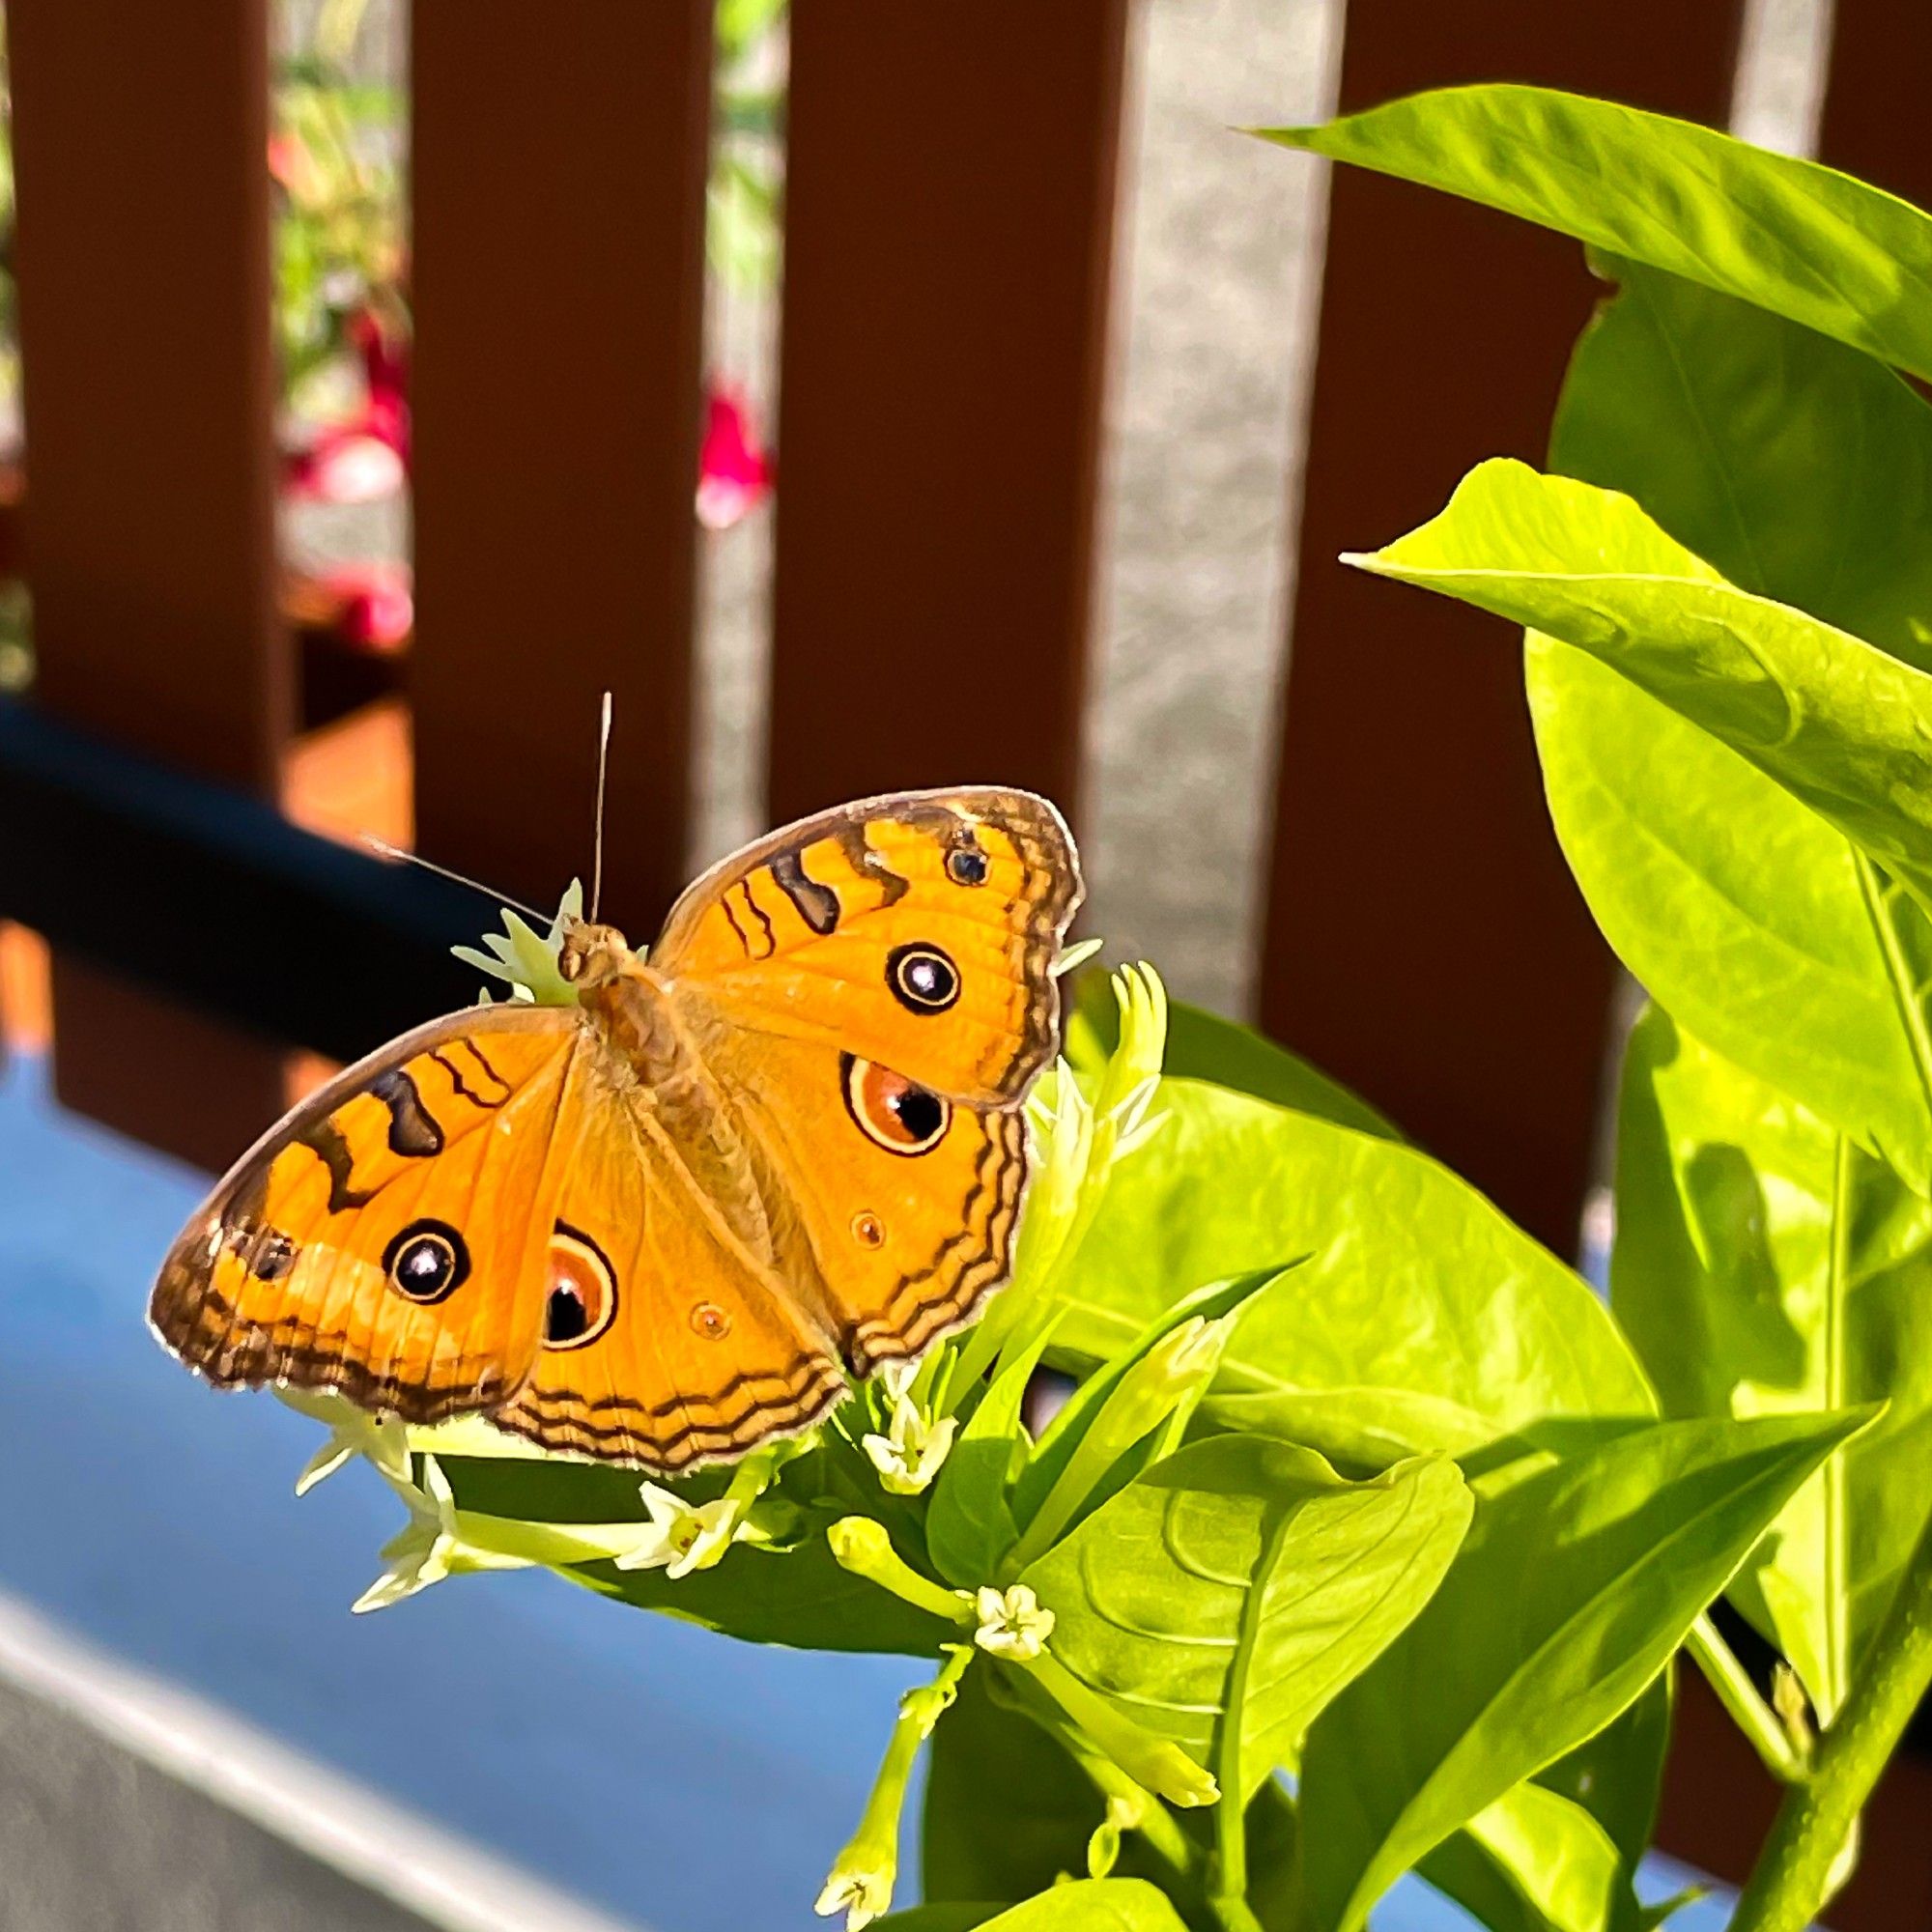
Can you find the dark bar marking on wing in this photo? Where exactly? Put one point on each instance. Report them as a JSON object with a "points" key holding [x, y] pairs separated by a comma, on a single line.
{"points": [[817, 904], [867, 864], [758, 913], [325, 1141], [725, 904], [482, 1060], [414, 1131], [462, 1086]]}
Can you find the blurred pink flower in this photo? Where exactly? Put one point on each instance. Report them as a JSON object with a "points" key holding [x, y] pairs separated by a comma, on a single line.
{"points": [[372, 603], [365, 456], [734, 469]]}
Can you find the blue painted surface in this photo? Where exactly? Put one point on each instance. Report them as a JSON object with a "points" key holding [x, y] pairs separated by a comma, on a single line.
{"points": [[700, 1784]]}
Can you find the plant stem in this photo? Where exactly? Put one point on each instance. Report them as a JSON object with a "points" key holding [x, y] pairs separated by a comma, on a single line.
{"points": [[1753, 1717], [1794, 1871]]}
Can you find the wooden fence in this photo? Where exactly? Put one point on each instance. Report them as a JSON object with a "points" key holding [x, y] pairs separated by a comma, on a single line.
{"points": [[951, 210]]}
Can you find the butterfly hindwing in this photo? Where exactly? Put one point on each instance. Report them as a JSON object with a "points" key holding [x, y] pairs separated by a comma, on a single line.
{"points": [[668, 1343], [917, 932], [902, 1202], [387, 1239]]}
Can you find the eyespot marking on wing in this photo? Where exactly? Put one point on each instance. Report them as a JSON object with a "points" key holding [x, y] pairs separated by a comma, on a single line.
{"points": [[921, 976], [581, 1289], [426, 1262], [890, 1110]]}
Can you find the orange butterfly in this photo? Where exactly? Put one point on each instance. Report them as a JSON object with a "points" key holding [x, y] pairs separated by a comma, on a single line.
{"points": [[667, 1222]]}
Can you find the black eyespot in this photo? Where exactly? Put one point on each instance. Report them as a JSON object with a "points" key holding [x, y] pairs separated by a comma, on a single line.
{"points": [[889, 1109], [582, 1298], [966, 865], [923, 979], [565, 1316], [426, 1262], [922, 1114]]}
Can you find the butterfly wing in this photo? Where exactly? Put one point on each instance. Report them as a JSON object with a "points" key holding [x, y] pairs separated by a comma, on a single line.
{"points": [[667, 1342], [903, 1203], [917, 932], [384, 1239]]}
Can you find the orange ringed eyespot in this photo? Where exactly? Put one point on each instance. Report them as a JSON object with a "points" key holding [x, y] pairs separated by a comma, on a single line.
{"points": [[867, 1230], [581, 1289], [891, 1111], [710, 1321]]}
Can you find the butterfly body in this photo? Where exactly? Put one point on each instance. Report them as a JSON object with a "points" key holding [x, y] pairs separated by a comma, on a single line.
{"points": [[665, 1223]]}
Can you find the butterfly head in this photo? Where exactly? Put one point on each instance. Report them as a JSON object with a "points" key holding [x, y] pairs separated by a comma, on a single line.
{"points": [[593, 955]]}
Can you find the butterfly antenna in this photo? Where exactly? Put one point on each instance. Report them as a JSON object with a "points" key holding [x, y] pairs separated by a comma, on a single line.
{"points": [[603, 772], [389, 851]]}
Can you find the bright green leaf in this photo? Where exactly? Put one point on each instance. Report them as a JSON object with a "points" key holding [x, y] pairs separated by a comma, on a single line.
{"points": [[1061, 1440], [1764, 1265], [1688, 855], [1577, 1583], [1422, 1318], [1227, 1595], [1204, 1047], [1798, 468], [969, 1525], [1836, 721], [1086, 1905], [1803, 470], [1561, 1851], [1531, 1862], [1836, 254]]}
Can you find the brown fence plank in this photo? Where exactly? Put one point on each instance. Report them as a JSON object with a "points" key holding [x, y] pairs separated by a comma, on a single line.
{"points": [[948, 240], [139, 144], [1874, 119], [139, 140], [1424, 941], [558, 165]]}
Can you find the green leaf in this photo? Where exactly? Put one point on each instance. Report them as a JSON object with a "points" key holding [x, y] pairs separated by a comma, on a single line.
{"points": [[1688, 854], [1836, 254], [1531, 1862], [1008, 1811], [1228, 1594], [1577, 1583], [969, 1525], [1765, 1264], [1204, 1047], [1800, 469], [1779, 457], [1560, 1852], [1423, 1319], [1086, 1905], [1836, 721], [1067, 1431], [954, 1916]]}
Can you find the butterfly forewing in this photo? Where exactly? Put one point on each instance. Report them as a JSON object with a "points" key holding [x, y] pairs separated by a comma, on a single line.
{"points": [[918, 931], [387, 1239]]}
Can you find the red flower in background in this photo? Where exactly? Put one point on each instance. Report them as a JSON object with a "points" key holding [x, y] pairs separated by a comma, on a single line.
{"points": [[365, 456], [734, 471]]}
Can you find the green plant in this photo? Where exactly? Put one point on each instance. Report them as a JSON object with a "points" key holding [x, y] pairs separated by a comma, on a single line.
{"points": [[1369, 1534]]}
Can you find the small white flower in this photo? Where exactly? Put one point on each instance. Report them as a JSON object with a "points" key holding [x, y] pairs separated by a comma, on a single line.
{"points": [[909, 1455], [897, 1378], [862, 1894], [1013, 1624], [682, 1537], [429, 1546], [351, 1432]]}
